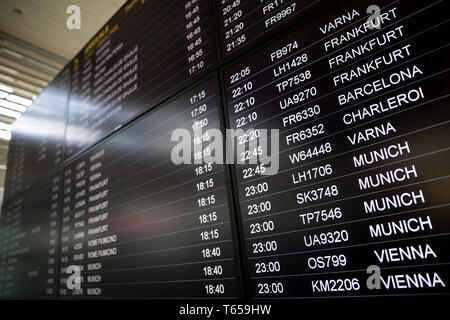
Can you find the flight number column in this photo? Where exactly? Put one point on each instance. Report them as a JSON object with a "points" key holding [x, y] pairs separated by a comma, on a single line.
{"points": [[54, 225], [252, 88], [73, 222]]}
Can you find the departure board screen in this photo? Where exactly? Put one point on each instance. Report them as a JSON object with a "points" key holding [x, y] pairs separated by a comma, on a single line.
{"points": [[29, 237], [140, 226], [238, 149], [38, 136], [363, 176], [146, 51]]}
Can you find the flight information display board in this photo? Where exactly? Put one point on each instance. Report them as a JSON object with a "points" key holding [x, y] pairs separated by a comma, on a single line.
{"points": [[38, 136], [29, 237], [145, 52], [339, 185], [137, 225], [363, 176]]}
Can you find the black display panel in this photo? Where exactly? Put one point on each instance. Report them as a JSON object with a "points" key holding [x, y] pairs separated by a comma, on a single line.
{"points": [[362, 114], [146, 51], [243, 21], [38, 136], [29, 239], [363, 119], [140, 226]]}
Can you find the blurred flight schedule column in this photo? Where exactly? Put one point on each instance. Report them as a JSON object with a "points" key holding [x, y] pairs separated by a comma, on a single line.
{"points": [[138, 225], [28, 266], [363, 119], [14, 179]]}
